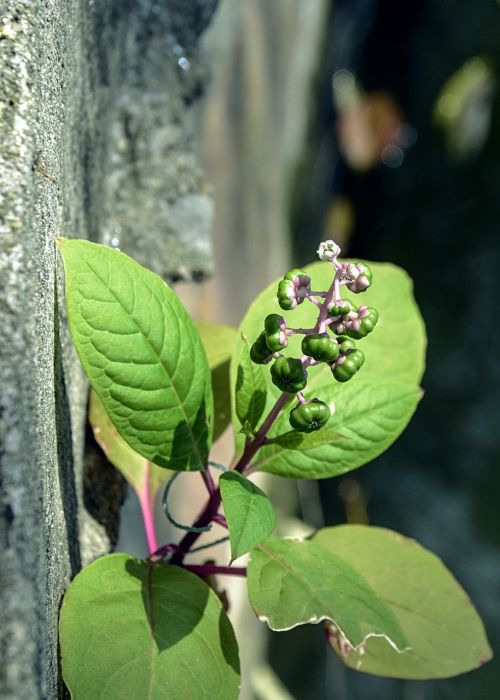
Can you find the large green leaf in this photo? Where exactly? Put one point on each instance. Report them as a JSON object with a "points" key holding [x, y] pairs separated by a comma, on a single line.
{"points": [[293, 440], [143, 476], [218, 341], [368, 417], [249, 513], [141, 353], [133, 630], [395, 354], [293, 582], [445, 634]]}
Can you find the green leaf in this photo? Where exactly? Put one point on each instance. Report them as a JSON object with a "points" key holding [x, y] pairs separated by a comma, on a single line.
{"points": [[294, 440], [141, 353], [250, 389], [368, 417], [395, 355], [249, 513], [133, 630], [218, 341], [293, 582], [143, 476], [444, 632]]}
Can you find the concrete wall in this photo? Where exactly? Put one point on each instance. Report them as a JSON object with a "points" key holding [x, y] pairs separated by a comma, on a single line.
{"points": [[97, 102]]}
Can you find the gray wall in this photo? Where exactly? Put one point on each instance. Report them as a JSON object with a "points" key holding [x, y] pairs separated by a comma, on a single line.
{"points": [[97, 104]]}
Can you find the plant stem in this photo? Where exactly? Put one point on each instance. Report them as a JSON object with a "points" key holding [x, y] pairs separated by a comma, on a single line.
{"points": [[204, 569], [220, 520], [213, 503], [209, 482], [210, 512], [332, 295], [147, 508]]}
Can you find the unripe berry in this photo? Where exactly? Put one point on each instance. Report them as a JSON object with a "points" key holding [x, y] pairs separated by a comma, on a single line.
{"points": [[363, 279], [347, 365], [364, 324], [320, 347], [259, 352], [274, 329], [341, 307], [311, 416], [288, 374]]}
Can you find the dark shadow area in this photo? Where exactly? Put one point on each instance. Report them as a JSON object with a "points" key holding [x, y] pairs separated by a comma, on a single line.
{"points": [[222, 398], [172, 602], [104, 488], [190, 445], [227, 641], [65, 451]]}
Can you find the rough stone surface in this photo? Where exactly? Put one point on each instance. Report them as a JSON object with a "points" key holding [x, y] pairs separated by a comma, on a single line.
{"points": [[96, 105]]}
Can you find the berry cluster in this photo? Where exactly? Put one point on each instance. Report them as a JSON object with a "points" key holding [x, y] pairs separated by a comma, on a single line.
{"points": [[331, 340]]}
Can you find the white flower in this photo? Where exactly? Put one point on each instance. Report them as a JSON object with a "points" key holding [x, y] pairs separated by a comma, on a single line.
{"points": [[328, 250]]}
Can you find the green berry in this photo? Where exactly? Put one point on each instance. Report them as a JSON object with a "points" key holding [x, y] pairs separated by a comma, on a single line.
{"points": [[347, 365], [286, 295], [341, 307], [363, 280], [364, 324], [293, 289], [320, 347], [345, 344], [307, 417], [259, 352], [274, 329], [299, 277], [288, 374]]}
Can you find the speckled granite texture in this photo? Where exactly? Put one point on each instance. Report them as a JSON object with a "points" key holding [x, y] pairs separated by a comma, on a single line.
{"points": [[97, 99]]}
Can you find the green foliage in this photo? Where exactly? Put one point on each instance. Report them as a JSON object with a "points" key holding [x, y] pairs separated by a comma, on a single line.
{"points": [[137, 629], [249, 513], [444, 633], [366, 420], [141, 353], [373, 408], [292, 582], [294, 440], [129, 629]]}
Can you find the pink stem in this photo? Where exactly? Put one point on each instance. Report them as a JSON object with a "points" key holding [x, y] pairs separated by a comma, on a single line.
{"points": [[147, 508], [220, 520]]}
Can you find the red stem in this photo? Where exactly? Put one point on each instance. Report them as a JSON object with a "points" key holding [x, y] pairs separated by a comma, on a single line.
{"points": [[204, 569], [210, 512], [212, 506]]}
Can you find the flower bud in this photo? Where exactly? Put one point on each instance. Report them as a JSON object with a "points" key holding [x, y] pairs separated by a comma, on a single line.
{"points": [[328, 250]]}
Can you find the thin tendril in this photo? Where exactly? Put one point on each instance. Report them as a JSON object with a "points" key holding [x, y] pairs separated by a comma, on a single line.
{"points": [[218, 466], [166, 510]]}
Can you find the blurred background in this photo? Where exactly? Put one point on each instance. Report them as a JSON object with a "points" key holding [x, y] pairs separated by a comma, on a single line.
{"points": [[375, 123]]}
